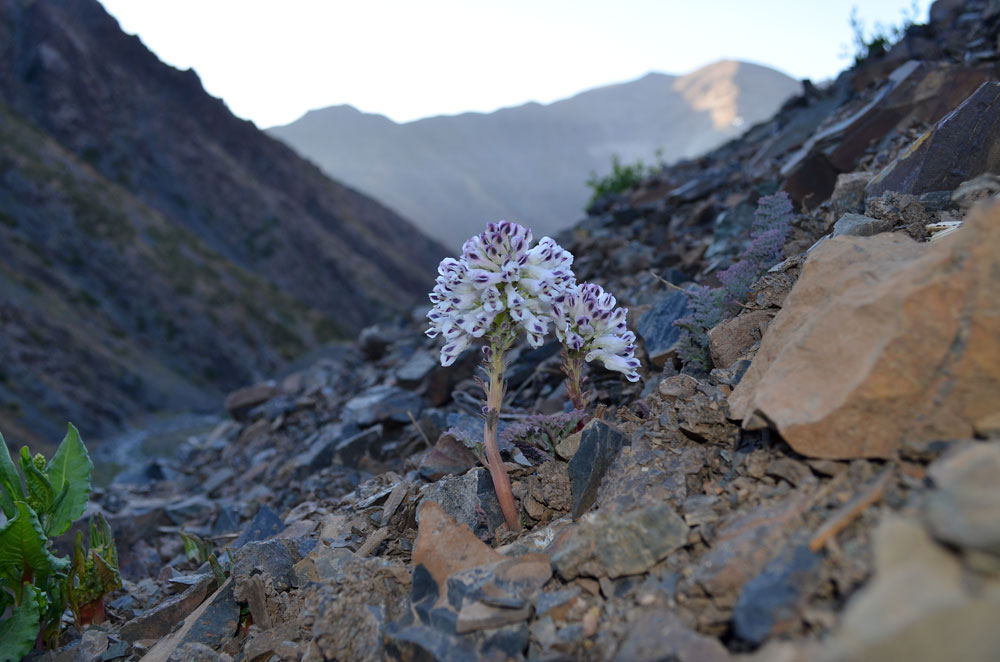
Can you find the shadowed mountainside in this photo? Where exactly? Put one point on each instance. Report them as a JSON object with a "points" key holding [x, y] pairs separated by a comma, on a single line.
{"points": [[154, 249]]}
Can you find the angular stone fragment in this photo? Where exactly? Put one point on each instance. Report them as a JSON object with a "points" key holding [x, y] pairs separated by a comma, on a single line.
{"points": [[770, 602], [883, 339], [744, 546], [162, 618], [272, 559], [241, 401], [599, 446], [447, 456], [382, 404], [963, 144], [463, 549], [620, 544], [212, 623], [859, 225], [733, 338], [264, 524]]}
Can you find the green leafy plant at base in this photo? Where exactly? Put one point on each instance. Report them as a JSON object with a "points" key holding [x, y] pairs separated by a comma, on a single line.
{"points": [[41, 502], [882, 37], [622, 178]]}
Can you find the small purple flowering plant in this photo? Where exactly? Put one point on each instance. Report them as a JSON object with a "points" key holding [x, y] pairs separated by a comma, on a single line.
{"points": [[502, 285]]}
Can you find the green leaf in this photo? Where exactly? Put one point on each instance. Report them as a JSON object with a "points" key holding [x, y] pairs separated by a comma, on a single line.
{"points": [[19, 631], [10, 481], [40, 492], [69, 470], [22, 545]]}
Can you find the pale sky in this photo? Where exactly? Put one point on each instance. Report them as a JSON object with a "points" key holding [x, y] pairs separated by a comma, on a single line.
{"points": [[271, 61]]}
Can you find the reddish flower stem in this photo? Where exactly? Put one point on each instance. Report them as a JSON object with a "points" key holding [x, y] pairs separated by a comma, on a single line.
{"points": [[494, 400]]}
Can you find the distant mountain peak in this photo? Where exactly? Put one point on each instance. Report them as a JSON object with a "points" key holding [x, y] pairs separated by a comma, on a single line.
{"points": [[530, 163]]}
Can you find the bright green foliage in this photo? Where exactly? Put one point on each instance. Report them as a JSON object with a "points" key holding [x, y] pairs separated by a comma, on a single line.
{"points": [[41, 502], [195, 548], [878, 41], [69, 472], [622, 178], [93, 574], [18, 632]]}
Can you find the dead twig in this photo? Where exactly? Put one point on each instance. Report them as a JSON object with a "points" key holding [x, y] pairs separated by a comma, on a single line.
{"points": [[850, 511], [374, 540], [419, 429]]}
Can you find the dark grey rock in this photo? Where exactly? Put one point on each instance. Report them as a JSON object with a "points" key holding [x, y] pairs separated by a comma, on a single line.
{"points": [[321, 446], [273, 559], [416, 368], [192, 509], [349, 450], [525, 363], [264, 525], [858, 225], [599, 445], [383, 404], [656, 326], [375, 340], [217, 623], [281, 405], [470, 498], [776, 595], [732, 227], [228, 521], [659, 635], [93, 644], [218, 477], [115, 650], [546, 602]]}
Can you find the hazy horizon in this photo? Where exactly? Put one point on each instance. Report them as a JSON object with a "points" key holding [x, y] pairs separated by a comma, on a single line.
{"points": [[402, 61]]}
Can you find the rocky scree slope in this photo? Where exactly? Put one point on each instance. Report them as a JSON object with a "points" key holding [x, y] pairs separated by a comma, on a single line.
{"points": [[531, 162], [155, 249], [694, 520]]}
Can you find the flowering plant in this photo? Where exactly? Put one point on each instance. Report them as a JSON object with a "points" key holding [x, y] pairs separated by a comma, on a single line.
{"points": [[500, 286]]}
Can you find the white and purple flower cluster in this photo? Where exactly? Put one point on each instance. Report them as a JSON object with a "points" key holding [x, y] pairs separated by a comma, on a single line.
{"points": [[500, 271], [588, 322]]}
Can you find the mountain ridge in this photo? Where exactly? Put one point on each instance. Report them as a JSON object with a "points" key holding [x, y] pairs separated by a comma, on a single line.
{"points": [[530, 162]]}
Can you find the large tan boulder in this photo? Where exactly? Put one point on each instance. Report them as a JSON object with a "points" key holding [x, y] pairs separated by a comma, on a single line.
{"points": [[883, 339]]}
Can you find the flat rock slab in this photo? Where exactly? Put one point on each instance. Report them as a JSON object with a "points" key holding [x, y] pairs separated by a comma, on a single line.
{"points": [[383, 404], [212, 623], [264, 524], [162, 618], [859, 225], [883, 339], [963, 144]]}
